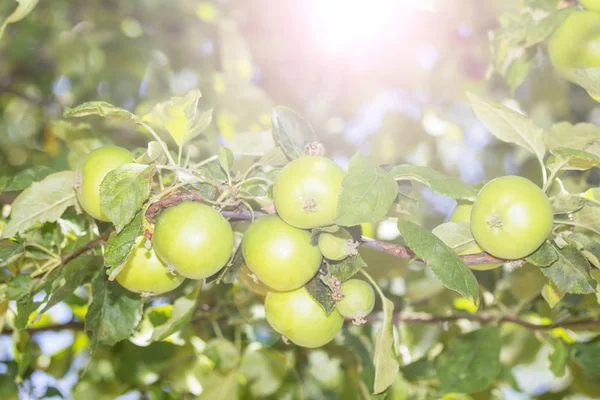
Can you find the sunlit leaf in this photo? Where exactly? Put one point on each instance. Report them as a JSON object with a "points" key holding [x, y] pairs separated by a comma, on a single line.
{"points": [[182, 311], [119, 245], [438, 183], [24, 7], [43, 201], [384, 357], [24, 179], [571, 272], [291, 132], [100, 108]]}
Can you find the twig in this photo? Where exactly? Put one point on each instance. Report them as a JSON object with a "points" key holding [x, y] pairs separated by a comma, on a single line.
{"points": [[87, 247], [405, 317]]}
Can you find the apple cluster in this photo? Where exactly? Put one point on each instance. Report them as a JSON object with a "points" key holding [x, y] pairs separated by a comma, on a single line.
{"points": [[193, 240]]}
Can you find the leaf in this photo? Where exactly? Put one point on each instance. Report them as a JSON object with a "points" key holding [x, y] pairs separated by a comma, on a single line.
{"points": [[182, 310], [9, 252], [577, 137], [347, 268], [232, 269], [291, 132], [22, 180], [225, 158], [569, 159], [442, 260], [587, 355], [43, 201], [123, 192], [471, 362], [113, 313], [544, 256], [552, 294], [509, 126], [255, 144], [153, 155], [438, 183], [73, 274], [542, 30], [25, 306], [588, 246], [455, 235], [119, 245], [100, 108], [566, 203], [264, 370], [367, 193], [180, 117], [20, 286], [571, 272], [358, 346], [320, 292], [23, 9], [559, 357], [587, 78], [384, 357], [588, 217]]}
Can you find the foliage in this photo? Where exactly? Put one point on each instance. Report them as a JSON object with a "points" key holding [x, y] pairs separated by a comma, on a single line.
{"points": [[439, 328]]}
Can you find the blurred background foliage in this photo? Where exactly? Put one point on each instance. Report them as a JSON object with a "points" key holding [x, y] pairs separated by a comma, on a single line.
{"points": [[386, 78]]}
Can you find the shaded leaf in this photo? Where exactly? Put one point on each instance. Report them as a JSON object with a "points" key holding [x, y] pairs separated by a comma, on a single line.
{"points": [[225, 158], [367, 193], [587, 355], [154, 154], [471, 362], [22, 180], [119, 245], [588, 246], [346, 268], [10, 251], [182, 311], [291, 132], [442, 260], [439, 183], [43, 201], [384, 357], [559, 357], [570, 159], [544, 256], [123, 192], [113, 313], [571, 272], [455, 235], [320, 292], [20, 286]]}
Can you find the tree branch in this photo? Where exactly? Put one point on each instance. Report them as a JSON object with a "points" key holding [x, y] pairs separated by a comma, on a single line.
{"points": [[87, 247], [405, 317]]}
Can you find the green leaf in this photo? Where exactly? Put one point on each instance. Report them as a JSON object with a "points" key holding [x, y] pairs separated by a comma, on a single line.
{"points": [[439, 183], [20, 286], [509, 126], [367, 193], [182, 311], [456, 235], [359, 346], [544, 256], [119, 245], [384, 358], [113, 313], [578, 137], [588, 217], [153, 155], [471, 362], [569, 159], [587, 355], [23, 347], [23, 9], [587, 78], [180, 117], [442, 260], [73, 274], [43, 201], [232, 269], [571, 272], [264, 370], [552, 294], [291, 132], [421, 369], [559, 357], [123, 192], [347, 268], [566, 203], [542, 30], [588, 246], [225, 158], [9, 252], [100, 108], [320, 292], [24, 179], [25, 306]]}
